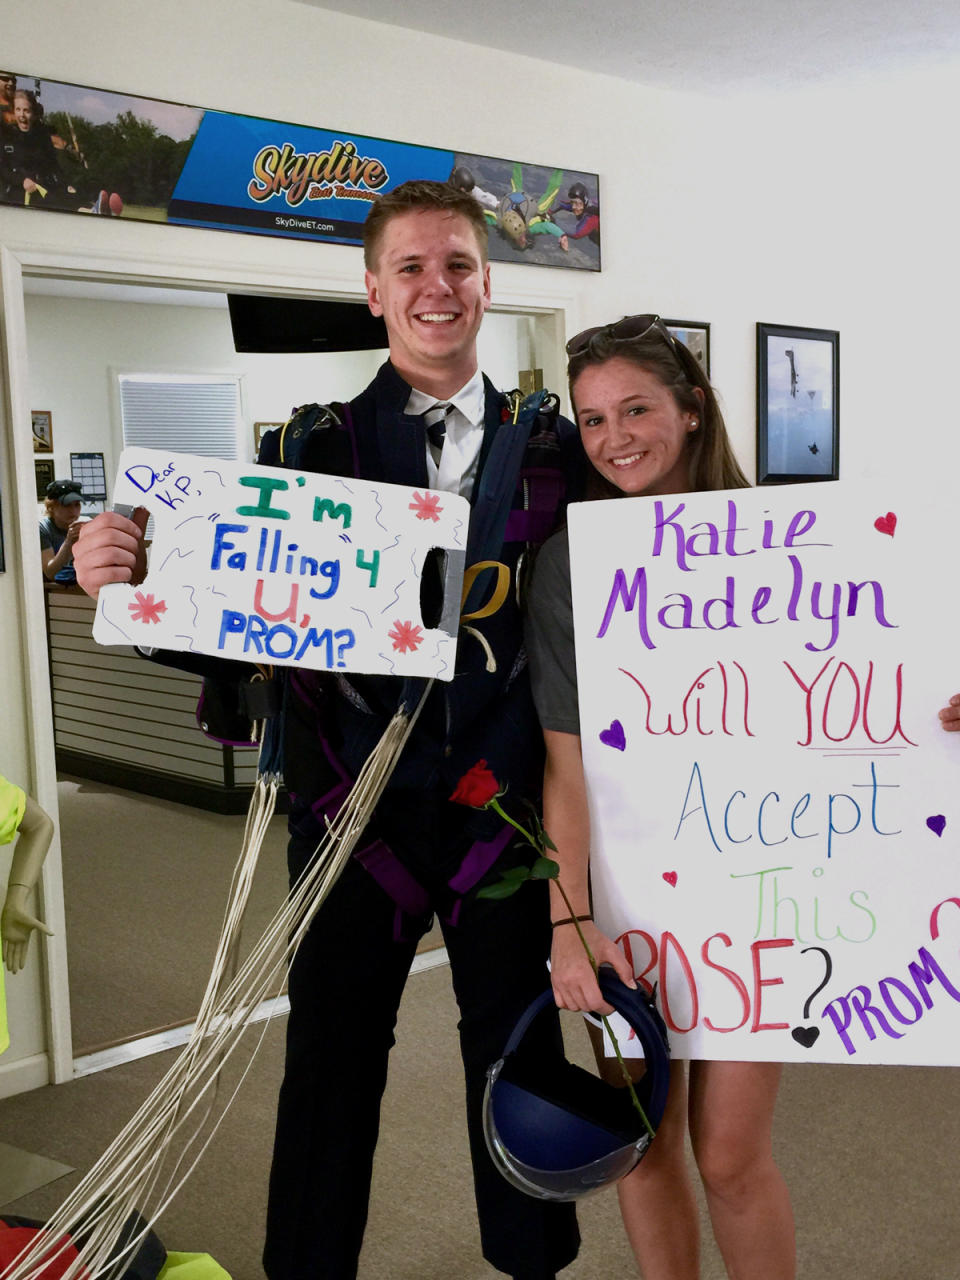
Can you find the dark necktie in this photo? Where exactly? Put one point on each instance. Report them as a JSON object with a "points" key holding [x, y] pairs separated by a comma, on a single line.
{"points": [[435, 419]]}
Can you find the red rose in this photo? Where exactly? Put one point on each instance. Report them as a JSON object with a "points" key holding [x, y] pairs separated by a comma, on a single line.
{"points": [[477, 787]]}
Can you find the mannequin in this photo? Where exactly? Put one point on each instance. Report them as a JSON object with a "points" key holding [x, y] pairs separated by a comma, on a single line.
{"points": [[19, 814]]}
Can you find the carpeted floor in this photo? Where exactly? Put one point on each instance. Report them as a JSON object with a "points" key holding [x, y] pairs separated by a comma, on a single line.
{"points": [[145, 884], [870, 1154]]}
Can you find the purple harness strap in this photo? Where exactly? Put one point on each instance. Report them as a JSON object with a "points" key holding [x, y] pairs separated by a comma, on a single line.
{"points": [[407, 892], [397, 882], [536, 522]]}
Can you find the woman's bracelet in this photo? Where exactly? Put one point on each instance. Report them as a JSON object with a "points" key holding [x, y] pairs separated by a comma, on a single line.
{"points": [[569, 920]]}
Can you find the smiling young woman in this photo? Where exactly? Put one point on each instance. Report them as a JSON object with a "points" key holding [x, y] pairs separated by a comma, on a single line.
{"points": [[650, 425]]}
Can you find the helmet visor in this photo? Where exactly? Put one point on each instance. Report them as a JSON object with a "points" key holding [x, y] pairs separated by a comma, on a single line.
{"points": [[556, 1183]]}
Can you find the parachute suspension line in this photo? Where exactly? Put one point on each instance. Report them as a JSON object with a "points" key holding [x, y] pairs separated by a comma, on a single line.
{"points": [[154, 1154]]}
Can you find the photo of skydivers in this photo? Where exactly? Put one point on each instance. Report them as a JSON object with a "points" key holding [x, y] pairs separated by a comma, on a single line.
{"points": [[30, 172], [586, 212], [463, 180], [8, 87], [528, 220], [520, 217]]}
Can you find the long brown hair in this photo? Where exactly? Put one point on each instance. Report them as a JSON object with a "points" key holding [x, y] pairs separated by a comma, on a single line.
{"points": [[711, 460]]}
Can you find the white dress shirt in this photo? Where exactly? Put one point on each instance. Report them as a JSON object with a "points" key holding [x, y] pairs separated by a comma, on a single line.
{"points": [[457, 468]]}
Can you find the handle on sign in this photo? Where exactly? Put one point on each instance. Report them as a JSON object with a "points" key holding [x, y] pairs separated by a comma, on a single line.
{"points": [[449, 622]]}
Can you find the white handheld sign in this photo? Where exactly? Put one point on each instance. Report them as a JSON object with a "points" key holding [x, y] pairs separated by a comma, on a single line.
{"points": [[269, 565], [775, 807]]}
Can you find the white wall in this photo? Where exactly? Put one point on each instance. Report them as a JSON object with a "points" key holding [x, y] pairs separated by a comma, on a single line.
{"points": [[76, 347], [825, 208]]}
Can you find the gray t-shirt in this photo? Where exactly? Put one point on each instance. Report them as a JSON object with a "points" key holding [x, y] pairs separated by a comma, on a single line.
{"points": [[51, 537], [548, 629]]}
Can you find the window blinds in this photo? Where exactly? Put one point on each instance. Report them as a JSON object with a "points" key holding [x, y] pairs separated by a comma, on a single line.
{"points": [[182, 413]]}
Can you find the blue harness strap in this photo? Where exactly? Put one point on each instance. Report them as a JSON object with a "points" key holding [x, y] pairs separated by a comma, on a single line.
{"points": [[494, 500]]}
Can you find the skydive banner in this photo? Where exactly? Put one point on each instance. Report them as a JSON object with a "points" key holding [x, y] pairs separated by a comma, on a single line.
{"points": [[74, 149], [281, 179], [774, 805]]}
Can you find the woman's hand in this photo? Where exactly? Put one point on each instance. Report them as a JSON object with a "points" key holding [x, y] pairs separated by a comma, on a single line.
{"points": [[950, 715], [575, 984]]}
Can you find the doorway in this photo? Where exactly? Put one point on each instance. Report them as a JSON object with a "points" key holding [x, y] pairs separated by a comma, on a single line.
{"points": [[175, 950]]}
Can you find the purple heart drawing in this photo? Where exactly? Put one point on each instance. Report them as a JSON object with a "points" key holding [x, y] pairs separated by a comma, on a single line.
{"points": [[614, 736], [807, 1036], [936, 822]]}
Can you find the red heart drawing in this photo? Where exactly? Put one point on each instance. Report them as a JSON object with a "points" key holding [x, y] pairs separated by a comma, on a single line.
{"points": [[671, 878], [886, 524]]}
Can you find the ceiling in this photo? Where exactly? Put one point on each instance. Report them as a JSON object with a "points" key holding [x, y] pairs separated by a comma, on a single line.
{"points": [[710, 46]]}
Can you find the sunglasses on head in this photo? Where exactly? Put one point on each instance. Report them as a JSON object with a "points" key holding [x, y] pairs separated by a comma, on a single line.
{"points": [[626, 330]]}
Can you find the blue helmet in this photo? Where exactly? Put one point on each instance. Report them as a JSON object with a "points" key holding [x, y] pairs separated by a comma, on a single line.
{"points": [[559, 1134]]}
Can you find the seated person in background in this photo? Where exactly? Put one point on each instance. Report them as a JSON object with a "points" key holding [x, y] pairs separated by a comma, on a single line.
{"points": [[59, 530]]}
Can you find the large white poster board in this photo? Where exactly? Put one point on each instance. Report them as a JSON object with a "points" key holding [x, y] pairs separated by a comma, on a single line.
{"points": [[285, 567], [775, 814]]}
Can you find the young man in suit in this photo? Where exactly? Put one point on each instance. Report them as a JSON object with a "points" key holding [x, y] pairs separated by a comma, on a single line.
{"points": [[427, 274]]}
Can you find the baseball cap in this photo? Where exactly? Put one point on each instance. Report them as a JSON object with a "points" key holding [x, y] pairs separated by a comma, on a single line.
{"points": [[65, 491]]}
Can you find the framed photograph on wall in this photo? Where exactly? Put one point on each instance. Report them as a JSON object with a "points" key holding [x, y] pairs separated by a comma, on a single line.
{"points": [[260, 429], [42, 420], [798, 404], [46, 474], [695, 335]]}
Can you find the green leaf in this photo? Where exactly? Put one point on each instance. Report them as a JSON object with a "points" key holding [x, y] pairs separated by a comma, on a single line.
{"points": [[502, 889], [544, 869], [519, 873], [546, 841]]}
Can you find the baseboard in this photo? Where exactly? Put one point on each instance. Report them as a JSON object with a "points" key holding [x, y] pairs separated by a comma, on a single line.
{"points": [[24, 1074]]}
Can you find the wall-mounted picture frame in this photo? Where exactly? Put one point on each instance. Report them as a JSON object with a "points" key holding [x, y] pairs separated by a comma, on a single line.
{"points": [[798, 404], [46, 474], [42, 420], [260, 429], [695, 335]]}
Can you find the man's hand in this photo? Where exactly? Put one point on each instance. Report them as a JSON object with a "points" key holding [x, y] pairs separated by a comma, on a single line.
{"points": [[950, 715], [73, 533], [110, 549]]}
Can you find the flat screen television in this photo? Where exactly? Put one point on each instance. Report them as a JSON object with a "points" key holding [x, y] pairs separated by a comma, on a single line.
{"points": [[279, 325]]}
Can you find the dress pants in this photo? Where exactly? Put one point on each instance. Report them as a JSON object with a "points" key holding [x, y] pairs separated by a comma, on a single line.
{"points": [[348, 968]]}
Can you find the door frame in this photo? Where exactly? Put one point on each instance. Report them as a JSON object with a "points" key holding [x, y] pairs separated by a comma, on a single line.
{"points": [[554, 313]]}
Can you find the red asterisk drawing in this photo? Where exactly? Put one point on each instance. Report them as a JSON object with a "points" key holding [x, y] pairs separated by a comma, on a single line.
{"points": [[427, 506], [146, 608], [406, 637]]}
